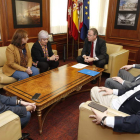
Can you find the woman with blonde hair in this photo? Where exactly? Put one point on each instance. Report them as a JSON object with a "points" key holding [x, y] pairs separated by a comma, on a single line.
{"points": [[19, 60]]}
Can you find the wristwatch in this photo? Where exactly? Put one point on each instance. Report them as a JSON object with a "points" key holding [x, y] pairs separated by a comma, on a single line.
{"points": [[20, 102], [102, 121]]}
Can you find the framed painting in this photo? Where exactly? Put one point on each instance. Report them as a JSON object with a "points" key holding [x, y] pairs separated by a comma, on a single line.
{"points": [[27, 13], [127, 14]]}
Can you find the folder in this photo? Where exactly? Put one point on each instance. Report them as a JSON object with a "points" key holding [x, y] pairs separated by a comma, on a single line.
{"points": [[89, 72]]}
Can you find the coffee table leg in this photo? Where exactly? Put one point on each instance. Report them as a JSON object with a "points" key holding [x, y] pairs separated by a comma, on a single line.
{"points": [[99, 81], [39, 114]]}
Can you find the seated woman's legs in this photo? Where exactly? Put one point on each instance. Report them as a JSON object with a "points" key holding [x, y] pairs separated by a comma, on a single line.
{"points": [[43, 66], [34, 70], [53, 64], [20, 75]]}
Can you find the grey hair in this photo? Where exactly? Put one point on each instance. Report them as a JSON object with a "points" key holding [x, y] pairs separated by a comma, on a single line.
{"points": [[43, 34]]}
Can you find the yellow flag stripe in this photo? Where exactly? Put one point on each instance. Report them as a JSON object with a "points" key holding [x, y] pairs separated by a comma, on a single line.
{"points": [[75, 18]]}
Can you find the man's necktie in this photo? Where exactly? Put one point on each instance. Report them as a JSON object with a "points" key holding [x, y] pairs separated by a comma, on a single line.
{"points": [[91, 52]]}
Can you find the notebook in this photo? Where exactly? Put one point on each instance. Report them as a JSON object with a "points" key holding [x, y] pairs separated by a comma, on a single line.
{"points": [[89, 72]]}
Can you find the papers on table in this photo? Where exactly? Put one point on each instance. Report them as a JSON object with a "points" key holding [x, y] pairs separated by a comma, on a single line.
{"points": [[89, 72], [79, 66]]}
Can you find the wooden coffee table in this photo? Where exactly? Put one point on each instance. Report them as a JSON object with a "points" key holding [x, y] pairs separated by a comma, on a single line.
{"points": [[53, 85]]}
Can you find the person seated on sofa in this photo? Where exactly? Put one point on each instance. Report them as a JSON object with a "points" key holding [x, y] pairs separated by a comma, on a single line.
{"points": [[125, 80], [127, 101], [94, 50], [19, 60], [19, 107], [43, 57]]}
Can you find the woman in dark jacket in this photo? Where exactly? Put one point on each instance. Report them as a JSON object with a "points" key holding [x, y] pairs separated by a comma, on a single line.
{"points": [[42, 54]]}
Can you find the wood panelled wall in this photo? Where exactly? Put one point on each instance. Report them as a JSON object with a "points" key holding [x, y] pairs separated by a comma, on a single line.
{"points": [[7, 27], [130, 39], [6, 15]]}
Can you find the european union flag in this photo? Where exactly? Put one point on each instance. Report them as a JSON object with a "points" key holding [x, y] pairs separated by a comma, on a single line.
{"points": [[85, 27]]}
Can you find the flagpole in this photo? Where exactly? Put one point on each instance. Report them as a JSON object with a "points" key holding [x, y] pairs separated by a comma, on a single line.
{"points": [[67, 40], [72, 47], [78, 40]]}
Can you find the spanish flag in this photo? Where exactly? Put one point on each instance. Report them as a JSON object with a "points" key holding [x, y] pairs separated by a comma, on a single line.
{"points": [[75, 23], [70, 16]]}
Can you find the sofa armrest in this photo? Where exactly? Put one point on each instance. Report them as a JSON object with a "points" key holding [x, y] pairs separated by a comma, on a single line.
{"points": [[87, 130], [111, 112], [79, 51], [10, 126], [134, 71], [117, 60]]}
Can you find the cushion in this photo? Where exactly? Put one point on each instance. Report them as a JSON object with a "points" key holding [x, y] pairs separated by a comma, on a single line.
{"points": [[2, 55], [112, 48]]}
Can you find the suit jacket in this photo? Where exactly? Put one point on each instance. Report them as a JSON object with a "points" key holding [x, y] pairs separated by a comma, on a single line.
{"points": [[129, 84], [37, 52], [9, 103], [13, 60], [131, 106], [100, 50]]}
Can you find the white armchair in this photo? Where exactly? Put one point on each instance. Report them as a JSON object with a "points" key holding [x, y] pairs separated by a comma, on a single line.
{"points": [[10, 126]]}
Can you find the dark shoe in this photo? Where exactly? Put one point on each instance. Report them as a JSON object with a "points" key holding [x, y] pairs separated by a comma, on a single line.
{"points": [[25, 136], [94, 81]]}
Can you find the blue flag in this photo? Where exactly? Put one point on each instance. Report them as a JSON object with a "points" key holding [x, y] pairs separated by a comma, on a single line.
{"points": [[85, 28]]}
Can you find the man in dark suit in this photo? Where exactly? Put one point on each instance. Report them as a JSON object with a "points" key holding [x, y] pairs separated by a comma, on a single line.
{"points": [[127, 101], [94, 50], [124, 80]]}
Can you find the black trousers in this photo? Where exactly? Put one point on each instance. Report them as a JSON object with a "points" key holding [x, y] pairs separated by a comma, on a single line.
{"points": [[99, 63], [44, 66]]}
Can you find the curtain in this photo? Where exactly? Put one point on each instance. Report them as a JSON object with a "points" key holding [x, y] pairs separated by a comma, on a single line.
{"points": [[98, 15], [58, 15]]}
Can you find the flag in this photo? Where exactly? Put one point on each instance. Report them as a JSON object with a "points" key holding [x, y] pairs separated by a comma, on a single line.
{"points": [[75, 24], [70, 16], [85, 28], [80, 13]]}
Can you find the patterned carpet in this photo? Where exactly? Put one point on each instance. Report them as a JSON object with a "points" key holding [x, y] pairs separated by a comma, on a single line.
{"points": [[62, 121]]}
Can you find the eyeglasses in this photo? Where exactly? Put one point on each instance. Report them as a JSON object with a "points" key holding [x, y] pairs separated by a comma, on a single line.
{"points": [[89, 35]]}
